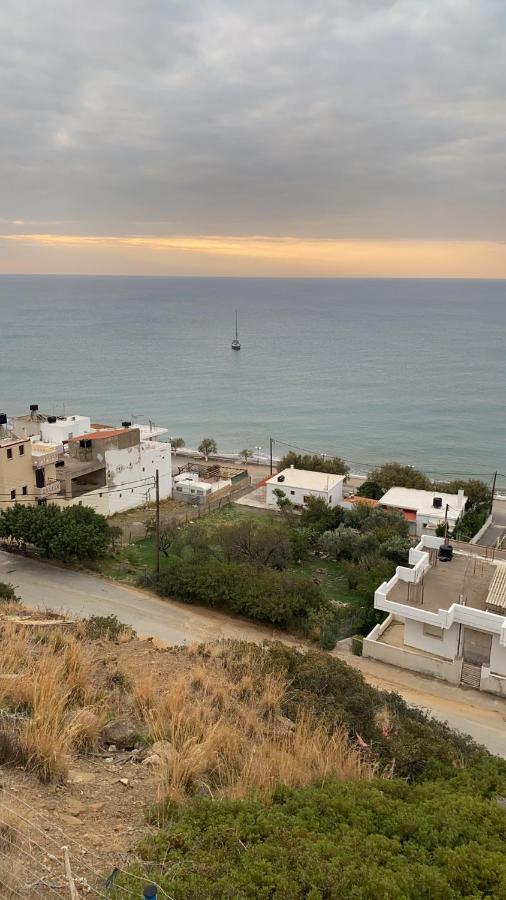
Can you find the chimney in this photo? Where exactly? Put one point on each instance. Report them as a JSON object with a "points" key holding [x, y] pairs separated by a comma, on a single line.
{"points": [[460, 495], [292, 466]]}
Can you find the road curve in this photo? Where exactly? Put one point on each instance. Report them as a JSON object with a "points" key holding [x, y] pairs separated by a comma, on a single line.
{"points": [[41, 584]]}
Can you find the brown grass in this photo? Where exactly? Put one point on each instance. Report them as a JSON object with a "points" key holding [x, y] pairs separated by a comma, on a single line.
{"points": [[224, 735], [218, 716]]}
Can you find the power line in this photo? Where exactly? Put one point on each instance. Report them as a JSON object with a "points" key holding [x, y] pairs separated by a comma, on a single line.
{"points": [[372, 465]]}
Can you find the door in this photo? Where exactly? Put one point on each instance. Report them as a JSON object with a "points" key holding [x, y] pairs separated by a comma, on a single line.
{"points": [[476, 647]]}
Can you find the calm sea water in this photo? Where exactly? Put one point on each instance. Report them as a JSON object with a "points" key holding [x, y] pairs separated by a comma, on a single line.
{"points": [[372, 369]]}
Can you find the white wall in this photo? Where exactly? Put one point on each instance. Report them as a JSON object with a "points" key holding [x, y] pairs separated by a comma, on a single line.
{"points": [[497, 657], [296, 495], [63, 429], [447, 646]]}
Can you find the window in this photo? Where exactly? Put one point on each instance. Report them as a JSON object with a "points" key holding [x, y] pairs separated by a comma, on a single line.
{"points": [[179, 488], [24, 490], [292, 493], [13, 495], [433, 631], [9, 452], [21, 449]]}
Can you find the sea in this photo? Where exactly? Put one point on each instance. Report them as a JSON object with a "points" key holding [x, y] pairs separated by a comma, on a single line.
{"points": [[369, 369]]}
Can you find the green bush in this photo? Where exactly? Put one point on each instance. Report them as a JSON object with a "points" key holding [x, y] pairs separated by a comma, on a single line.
{"points": [[314, 463], [76, 532], [357, 642], [7, 593], [442, 840], [265, 594], [108, 627]]}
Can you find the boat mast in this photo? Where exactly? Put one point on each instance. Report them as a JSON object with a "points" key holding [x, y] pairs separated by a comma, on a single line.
{"points": [[236, 335]]}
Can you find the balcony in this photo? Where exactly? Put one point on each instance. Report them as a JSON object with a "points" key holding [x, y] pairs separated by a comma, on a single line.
{"points": [[49, 489], [42, 458]]}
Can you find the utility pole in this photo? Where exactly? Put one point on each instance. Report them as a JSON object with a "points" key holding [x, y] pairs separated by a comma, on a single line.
{"points": [[446, 524], [157, 530], [493, 492], [271, 445]]}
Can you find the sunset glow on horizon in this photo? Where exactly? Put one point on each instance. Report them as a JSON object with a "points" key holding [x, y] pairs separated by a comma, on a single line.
{"points": [[259, 255]]}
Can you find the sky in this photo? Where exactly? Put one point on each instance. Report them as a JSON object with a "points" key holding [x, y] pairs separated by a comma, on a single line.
{"points": [[252, 137]]}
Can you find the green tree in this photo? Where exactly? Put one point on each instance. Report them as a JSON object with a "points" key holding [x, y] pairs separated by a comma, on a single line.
{"points": [[314, 463], [76, 532], [245, 455], [285, 507], [393, 474], [258, 543], [206, 447], [177, 443], [476, 491], [319, 515]]}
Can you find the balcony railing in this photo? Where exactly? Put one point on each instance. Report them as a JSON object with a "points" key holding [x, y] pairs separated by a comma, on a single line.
{"points": [[52, 487], [45, 459]]}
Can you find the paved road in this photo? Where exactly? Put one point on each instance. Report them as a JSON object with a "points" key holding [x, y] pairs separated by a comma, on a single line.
{"points": [[41, 584], [45, 585]]}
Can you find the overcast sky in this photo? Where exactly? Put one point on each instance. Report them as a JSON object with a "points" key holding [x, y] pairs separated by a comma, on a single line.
{"points": [[329, 120]]}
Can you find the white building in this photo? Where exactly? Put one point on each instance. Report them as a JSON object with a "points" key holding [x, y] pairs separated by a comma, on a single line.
{"points": [[425, 509], [299, 484], [446, 619], [113, 469]]}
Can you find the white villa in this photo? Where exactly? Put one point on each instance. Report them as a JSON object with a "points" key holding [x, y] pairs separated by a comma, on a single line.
{"points": [[446, 619], [425, 509], [299, 484]]}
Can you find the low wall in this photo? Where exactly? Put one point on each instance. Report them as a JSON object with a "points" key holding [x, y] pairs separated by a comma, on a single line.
{"points": [[493, 684], [479, 534], [445, 670]]}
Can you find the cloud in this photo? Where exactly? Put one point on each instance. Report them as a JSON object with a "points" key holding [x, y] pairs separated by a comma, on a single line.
{"points": [[336, 119]]}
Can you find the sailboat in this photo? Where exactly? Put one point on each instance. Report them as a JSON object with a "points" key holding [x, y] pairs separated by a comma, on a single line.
{"points": [[236, 344]]}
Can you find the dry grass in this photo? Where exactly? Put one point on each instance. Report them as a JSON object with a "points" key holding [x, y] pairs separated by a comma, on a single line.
{"points": [[217, 718], [49, 678], [224, 735]]}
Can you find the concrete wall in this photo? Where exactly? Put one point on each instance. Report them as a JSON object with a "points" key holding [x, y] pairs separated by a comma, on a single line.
{"points": [[497, 657], [446, 670], [447, 645], [493, 684]]}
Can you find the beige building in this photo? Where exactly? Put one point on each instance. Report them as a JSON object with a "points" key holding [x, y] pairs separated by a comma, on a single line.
{"points": [[27, 471]]}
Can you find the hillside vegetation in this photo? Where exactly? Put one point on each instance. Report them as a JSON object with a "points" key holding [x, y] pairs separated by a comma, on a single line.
{"points": [[272, 772]]}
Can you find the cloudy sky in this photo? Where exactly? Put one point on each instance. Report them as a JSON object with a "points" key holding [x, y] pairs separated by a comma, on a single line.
{"points": [[253, 136]]}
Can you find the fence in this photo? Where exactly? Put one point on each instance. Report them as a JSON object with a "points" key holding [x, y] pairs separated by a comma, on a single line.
{"points": [[135, 531], [39, 859]]}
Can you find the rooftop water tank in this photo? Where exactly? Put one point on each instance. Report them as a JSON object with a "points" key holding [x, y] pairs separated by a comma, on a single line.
{"points": [[51, 419], [3, 419], [437, 502], [281, 477], [445, 553]]}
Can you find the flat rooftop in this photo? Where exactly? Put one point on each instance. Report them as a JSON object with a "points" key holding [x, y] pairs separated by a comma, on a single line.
{"points": [[464, 580], [423, 501], [306, 480]]}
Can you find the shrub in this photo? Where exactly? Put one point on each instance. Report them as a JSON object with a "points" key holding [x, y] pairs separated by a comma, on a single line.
{"points": [[393, 474], [279, 597], [7, 593], [77, 532], [357, 644], [314, 463], [376, 839], [109, 627]]}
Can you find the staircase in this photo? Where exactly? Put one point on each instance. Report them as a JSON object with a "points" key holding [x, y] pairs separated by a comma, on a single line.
{"points": [[471, 675]]}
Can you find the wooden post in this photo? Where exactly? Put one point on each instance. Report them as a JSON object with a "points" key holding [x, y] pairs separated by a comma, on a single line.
{"points": [[157, 530], [68, 872], [493, 492]]}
